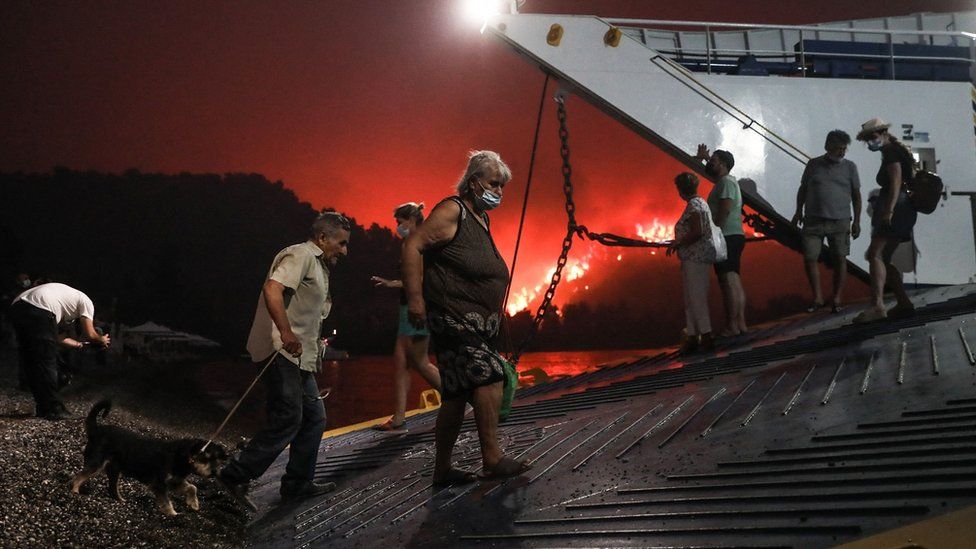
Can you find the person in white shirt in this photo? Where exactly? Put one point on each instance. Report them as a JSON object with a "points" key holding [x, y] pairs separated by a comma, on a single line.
{"points": [[35, 315]]}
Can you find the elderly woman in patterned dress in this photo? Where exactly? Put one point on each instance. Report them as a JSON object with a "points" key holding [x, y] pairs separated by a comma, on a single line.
{"points": [[455, 280]]}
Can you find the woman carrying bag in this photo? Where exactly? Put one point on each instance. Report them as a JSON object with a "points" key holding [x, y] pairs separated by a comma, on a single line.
{"points": [[699, 244]]}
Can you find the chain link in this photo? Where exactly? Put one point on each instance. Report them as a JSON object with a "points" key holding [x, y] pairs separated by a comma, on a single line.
{"points": [[571, 229]]}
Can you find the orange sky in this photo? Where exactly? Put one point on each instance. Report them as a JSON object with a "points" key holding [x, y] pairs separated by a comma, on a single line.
{"points": [[359, 105]]}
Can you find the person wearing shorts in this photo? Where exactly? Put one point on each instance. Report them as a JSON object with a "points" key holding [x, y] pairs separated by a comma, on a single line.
{"points": [[725, 204], [410, 350], [892, 223], [830, 190]]}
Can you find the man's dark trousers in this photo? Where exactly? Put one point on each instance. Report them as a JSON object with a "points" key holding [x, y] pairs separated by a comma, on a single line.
{"points": [[37, 338], [295, 416]]}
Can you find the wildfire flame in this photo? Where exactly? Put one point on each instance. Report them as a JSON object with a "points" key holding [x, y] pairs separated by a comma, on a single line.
{"points": [[656, 231], [575, 269]]}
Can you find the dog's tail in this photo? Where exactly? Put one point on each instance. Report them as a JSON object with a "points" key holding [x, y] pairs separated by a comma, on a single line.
{"points": [[100, 409]]}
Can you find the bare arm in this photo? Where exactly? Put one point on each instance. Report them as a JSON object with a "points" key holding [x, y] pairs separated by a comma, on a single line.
{"points": [[386, 282], [856, 204], [894, 174], [69, 342], [439, 227], [801, 196], [88, 326], [274, 300]]}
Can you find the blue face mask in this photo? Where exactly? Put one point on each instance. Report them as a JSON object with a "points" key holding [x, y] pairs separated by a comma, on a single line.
{"points": [[403, 231], [875, 144], [488, 200]]}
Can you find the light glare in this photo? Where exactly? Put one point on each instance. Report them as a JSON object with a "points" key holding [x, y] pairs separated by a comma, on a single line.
{"points": [[479, 11]]}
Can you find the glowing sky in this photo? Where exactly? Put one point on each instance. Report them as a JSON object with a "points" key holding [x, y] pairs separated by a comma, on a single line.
{"points": [[359, 105]]}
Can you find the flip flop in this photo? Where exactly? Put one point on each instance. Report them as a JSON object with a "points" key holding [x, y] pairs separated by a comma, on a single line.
{"points": [[455, 477], [868, 316], [390, 427], [835, 308], [505, 468], [814, 307]]}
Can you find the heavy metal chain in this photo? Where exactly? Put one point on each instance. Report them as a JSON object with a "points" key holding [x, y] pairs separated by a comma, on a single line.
{"points": [[571, 229]]}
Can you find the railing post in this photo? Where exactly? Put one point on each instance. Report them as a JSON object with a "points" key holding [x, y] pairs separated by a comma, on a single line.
{"points": [[891, 54], [803, 56], [972, 59], [708, 50]]}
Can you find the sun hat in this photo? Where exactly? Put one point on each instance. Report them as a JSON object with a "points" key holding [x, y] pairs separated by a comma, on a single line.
{"points": [[872, 126]]}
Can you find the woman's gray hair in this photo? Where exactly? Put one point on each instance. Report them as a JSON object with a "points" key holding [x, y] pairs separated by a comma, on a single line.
{"points": [[479, 162], [329, 223]]}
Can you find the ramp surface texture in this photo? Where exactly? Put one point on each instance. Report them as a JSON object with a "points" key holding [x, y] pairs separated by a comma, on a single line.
{"points": [[812, 432]]}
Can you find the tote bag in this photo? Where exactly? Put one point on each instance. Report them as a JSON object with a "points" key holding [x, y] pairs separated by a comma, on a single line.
{"points": [[718, 242]]}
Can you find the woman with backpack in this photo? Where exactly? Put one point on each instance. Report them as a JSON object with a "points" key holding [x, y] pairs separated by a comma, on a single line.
{"points": [[892, 220]]}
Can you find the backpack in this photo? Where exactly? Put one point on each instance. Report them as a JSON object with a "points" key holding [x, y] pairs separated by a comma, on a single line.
{"points": [[924, 191]]}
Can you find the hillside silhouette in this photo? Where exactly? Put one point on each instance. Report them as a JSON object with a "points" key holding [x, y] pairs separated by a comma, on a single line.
{"points": [[188, 250]]}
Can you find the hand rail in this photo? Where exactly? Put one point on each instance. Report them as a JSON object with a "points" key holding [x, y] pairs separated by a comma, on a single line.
{"points": [[712, 51], [845, 30]]}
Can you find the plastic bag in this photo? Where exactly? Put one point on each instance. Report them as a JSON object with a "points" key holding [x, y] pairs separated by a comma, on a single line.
{"points": [[508, 393]]}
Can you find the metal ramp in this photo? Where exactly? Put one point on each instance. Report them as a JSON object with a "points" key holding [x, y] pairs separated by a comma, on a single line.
{"points": [[812, 434]]}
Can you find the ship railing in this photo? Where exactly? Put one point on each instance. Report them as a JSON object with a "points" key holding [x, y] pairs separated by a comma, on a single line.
{"points": [[716, 42]]}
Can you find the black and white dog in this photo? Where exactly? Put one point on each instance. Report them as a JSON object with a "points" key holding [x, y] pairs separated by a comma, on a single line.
{"points": [[163, 465]]}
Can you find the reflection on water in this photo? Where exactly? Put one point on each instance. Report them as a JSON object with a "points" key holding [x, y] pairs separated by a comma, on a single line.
{"points": [[570, 363], [362, 387]]}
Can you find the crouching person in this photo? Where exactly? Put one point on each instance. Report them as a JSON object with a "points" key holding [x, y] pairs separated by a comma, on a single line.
{"points": [[35, 315], [294, 301]]}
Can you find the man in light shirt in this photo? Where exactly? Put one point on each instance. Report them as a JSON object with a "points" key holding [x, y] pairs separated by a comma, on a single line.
{"points": [[828, 206], [286, 332], [35, 315]]}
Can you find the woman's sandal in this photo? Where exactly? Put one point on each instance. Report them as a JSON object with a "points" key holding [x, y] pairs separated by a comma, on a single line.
{"points": [[814, 307], [390, 427], [454, 477], [505, 468]]}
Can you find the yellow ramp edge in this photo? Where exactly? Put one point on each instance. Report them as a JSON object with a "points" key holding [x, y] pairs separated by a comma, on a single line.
{"points": [[429, 400], [951, 531]]}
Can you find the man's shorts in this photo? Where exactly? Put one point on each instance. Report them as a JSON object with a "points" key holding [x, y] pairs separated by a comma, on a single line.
{"points": [[836, 231], [735, 244]]}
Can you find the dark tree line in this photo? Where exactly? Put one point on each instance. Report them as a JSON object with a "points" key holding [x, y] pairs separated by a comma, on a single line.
{"points": [[189, 250]]}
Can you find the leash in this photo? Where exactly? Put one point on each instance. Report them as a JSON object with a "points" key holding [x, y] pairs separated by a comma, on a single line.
{"points": [[230, 414]]}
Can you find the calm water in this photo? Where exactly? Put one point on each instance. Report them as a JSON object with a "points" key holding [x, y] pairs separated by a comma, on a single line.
{"points": [[361, 388]]}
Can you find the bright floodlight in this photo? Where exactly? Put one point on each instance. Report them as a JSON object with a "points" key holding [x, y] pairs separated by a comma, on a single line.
{"points": [[479, 11]]}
